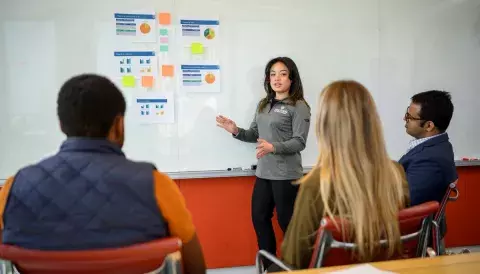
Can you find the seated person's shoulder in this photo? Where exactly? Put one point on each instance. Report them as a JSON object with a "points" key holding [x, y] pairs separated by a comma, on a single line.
{"points": [[403, 174], [173, 207], [437, 151], [34, 170], [158, 175], [310, 185], [312, 179], [4, 192], [434, 158], [163, 183], [399, 166]]}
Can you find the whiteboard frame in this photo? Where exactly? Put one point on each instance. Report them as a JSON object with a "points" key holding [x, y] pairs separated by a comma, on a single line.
{"points": [[246, 173]]}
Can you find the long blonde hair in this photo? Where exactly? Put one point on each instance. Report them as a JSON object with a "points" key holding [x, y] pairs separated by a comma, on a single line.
{"points": [[358, 181]]}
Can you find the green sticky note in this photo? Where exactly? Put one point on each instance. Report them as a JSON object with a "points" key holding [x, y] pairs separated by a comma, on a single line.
{"points": [[164, 32], [197, 48], [128, 81], [163, 48]]}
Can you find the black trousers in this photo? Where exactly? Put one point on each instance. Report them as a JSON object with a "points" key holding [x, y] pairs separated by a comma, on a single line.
{"points": [[267, 195]]}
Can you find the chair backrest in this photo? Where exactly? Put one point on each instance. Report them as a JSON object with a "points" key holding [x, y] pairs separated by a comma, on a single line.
{"points": [[452, 188], [138, 258], [415, 222], [450, 195]]}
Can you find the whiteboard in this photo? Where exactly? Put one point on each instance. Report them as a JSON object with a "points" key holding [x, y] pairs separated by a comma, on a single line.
{"points": [[395, 48]]}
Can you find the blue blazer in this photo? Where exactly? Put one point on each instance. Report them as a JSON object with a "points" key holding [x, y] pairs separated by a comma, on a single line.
{"points": [[430, 168]]}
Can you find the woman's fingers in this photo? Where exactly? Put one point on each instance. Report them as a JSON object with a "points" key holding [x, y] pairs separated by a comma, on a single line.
{"points": [[221, 125], [260, 154], [261, 143], [223, 118]]}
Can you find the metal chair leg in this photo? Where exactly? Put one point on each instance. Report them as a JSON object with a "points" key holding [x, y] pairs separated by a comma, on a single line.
{"points": [[264, 254]]}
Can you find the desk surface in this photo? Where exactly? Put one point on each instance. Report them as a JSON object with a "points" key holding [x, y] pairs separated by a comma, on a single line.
{"points": [[463, 263]]}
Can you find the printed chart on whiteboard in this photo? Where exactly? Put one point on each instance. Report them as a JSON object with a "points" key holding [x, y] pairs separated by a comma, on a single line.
{"points": [[136, 65], [200, 78], [205, 31], [154, 107], [138, 27]]}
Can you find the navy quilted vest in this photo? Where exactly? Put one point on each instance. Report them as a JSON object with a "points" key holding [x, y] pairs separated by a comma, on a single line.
{"points": [[85, 197]]}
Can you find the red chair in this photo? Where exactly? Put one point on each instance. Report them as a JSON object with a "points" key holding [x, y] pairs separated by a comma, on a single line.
{"points": [[330, 249], [450, 195], [161, 256]]}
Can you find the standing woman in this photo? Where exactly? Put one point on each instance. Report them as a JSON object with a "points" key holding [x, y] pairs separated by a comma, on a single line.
{"points": [[280, 129]]}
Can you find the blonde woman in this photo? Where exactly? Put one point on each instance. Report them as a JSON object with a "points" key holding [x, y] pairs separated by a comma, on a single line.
{"points": [[353, 178]]}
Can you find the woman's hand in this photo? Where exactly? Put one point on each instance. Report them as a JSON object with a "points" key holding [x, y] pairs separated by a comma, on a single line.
{"points": [[227, 124], [263, 148]]}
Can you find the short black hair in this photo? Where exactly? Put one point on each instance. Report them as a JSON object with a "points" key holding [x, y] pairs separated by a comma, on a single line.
{"points": [[87, 105], [436, 106]]}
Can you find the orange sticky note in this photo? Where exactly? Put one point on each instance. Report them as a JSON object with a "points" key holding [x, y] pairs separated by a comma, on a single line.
{"points": [[167, 70], [164, 18], [147, 81]]}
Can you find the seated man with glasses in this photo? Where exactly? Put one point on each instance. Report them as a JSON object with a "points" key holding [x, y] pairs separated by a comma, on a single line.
{"points": [[429, 163]]}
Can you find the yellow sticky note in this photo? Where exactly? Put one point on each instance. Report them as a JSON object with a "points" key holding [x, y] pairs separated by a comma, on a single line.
{"points": [[197, 48], [168, 70], [128, 81], [164, 18], [147, 81]]}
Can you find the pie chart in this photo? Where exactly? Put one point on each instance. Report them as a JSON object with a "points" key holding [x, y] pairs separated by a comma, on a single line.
{"points": [[145, 28], [209, 33], [210, 78]]}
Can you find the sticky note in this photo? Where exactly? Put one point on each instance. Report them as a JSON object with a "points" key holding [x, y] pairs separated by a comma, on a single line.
{"points": [[197, 48], [164, 32], [164, 18], [128, 81], [167, 70], [163, 48], [147, 81], [164, 40]]}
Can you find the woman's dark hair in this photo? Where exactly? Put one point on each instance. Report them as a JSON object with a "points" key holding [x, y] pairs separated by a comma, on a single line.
{"points": [[296, 88]]}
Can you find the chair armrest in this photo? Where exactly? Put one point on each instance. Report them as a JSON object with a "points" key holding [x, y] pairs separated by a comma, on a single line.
{"points": [[265, 254], [431, 252], [172, 264], [6, 267], [454, 198]]}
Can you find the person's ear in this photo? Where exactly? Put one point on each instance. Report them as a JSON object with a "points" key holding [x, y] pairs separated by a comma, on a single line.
{"points": [[119, 126], [61, 127], [116, 134], [429, 126]]}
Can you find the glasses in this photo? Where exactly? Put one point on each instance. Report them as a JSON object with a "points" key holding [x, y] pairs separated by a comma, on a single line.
{"points": [[409, 117]]}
